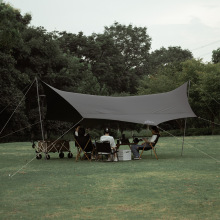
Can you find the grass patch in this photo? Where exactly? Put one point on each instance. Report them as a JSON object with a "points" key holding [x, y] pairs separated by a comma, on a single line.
{"points": [[174, 187]]}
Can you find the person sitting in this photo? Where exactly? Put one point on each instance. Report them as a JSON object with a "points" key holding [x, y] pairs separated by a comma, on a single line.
{"points": [[107, 137], [147, 143], [84, 141], [77, 130]]}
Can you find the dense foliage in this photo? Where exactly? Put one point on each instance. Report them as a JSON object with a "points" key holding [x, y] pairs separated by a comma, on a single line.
{"points": [[115, 62], [216, 56]]}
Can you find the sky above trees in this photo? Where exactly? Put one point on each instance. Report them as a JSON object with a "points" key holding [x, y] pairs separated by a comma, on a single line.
{"points": [[191, 24]]}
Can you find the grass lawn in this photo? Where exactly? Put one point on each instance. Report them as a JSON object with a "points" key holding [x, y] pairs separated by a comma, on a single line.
{"points": [[173, 187]]}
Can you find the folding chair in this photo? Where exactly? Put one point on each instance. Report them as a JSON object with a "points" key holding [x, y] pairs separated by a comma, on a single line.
{"points": [[104, 149], [84, 145], [152, 148], [152, 145]]}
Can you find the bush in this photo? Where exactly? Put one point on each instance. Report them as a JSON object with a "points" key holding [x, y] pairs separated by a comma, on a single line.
{"points": [[95, 134], [198, 131], [216, 132], [16, 138], [191, 132]]}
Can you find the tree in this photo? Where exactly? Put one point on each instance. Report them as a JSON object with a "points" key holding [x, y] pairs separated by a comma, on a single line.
{"points": [[204, 89], [216, 56], [117, 57], [164, 80], [133, 43], [172, 56], [12, 23], [209, 91], [106, 62], [97, 54]]}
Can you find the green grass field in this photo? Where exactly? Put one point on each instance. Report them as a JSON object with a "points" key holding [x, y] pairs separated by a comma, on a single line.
{"points": [[173, 187]]}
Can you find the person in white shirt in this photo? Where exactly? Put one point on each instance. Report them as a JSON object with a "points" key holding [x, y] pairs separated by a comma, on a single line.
{"points": [[147, 143], [107, 137]]}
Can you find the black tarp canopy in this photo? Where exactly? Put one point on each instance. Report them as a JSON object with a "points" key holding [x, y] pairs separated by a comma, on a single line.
{"points": [[145, 109]]}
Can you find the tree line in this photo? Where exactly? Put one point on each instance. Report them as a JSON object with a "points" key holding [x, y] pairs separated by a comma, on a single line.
{"points": [[117, 62]]}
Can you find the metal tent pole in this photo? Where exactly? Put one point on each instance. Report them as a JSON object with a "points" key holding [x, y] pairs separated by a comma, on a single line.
{"points": [[38, 101], [184, 133]]}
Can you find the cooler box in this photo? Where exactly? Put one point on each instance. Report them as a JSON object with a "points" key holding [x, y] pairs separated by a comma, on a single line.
{"points": [[124, 155]]}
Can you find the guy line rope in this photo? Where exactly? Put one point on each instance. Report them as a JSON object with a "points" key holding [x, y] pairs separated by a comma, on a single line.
{"points": [[190, 145], [48, 150]]}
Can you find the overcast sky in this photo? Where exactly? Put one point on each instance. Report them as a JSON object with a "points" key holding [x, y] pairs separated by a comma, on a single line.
{"points": [[191, 24]]}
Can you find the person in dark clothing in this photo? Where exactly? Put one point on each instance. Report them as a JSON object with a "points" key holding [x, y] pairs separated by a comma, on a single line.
{"points": [[84, 141], [147, 143]]}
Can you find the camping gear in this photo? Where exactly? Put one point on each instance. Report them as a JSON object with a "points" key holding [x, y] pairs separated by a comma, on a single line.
{"points": [[48, 146], [152, 109], [124, 155], [145, 109], [104, 149], [84, 145]]}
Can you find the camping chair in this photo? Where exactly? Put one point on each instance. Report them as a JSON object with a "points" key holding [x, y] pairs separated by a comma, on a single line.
{"points": [[152, 148], [104, 149], [152, 145], [84, 145]]}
